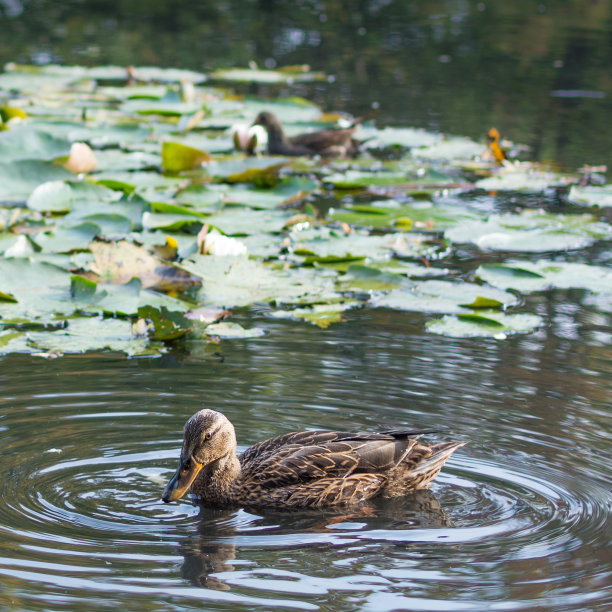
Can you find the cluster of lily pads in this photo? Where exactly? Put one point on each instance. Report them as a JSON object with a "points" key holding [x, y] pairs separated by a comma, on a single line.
{"points": [[128, 219]]}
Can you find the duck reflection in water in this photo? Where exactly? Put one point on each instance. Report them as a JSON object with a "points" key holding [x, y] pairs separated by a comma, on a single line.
{"points": [[214, 549]]}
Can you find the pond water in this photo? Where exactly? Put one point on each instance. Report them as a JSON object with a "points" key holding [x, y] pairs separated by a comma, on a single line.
{"points": [[519, 519]]}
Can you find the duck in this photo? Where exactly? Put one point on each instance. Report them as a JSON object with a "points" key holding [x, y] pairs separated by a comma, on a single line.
{"points": [[305, 469], [336, 143]]}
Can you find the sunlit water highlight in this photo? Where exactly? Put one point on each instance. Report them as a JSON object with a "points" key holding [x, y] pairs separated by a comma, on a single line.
{"points": [[518, 520]]}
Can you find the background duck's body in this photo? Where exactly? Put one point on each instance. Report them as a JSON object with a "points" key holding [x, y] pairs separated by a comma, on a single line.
{"points": [[302, 469], [326, 143]]}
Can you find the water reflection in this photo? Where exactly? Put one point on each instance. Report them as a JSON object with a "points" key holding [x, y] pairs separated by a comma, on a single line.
{"points": [[222, 534], [520, 516]]}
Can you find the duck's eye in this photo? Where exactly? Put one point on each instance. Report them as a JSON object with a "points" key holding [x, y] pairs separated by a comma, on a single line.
{"points": [[208, 435]]}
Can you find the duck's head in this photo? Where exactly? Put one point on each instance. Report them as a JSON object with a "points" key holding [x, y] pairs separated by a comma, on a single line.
{"points": [[270, 122], [208, 437]]}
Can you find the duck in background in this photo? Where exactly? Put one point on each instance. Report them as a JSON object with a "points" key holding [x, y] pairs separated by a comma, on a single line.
{"points": [[332, 143]]}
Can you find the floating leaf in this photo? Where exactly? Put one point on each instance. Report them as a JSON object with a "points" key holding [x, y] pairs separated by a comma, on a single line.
{"points": [[66, 239], [167, 325], [591, 195], [254, 75], [321, 315], [521, 179], [531, 230], [494, 324], [544, 274], [82, 288], [227, 330], [365, 278], [91, 334], [60, 196], [442, 297], [119, 262], [177, 157], [18, 179], [229, 281], [25, 142]]}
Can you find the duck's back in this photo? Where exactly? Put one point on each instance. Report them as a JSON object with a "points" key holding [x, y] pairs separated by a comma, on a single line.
{"points": [[320, 468]]}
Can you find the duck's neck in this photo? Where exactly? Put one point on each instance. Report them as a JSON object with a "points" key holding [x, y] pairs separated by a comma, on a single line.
{"points": [[218, 476], [276, 135]]}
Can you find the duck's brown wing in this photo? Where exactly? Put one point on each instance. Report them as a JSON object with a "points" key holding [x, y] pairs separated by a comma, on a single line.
{"points": [[324, 139], [307, 456]]}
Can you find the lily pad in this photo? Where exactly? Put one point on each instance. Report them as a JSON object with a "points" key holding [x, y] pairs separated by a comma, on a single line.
{"points": [[365, 278], [91, 334], [423, 215], [254, 75], [531, 230], [239, 281], [228, 331], [59, 196], [521, 179], [539, 275], [21, 143], [19, 178], [591, 195], [67, 239], [443, 297], [165, 324], [494, 324], [119, 262], [321, 315], [177, 157]]}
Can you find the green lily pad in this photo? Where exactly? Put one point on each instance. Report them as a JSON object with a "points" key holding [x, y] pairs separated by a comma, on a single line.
{"points": [[404, 137], [166, 325], [67, 239], [91, 334], [119, 262], [365, 278], [240, 221], [425, 215], [25, 142], [531, 230], [19, 178], [495, 324], [59, 196], [539, 275], [450, 149], [321, 315], [443, 297], [177, 157], [520, 179], [227, 331], [39, 289], [253, 75], [591, 195], [239, 281]]}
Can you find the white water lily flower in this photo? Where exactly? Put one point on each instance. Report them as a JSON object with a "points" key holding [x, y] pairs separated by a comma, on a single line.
{"points": [[216, 243], [249, 138]]}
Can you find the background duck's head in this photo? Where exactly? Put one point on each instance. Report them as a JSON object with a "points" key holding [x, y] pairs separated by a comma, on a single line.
{"points": [[209, 437]]}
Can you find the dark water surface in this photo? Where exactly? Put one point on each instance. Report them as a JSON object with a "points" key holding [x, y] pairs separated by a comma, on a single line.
{"points": [[538, 71], [518, 520]]}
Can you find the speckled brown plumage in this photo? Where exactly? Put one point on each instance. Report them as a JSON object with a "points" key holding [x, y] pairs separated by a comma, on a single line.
{"points": [[337, 143], [301, 469]]}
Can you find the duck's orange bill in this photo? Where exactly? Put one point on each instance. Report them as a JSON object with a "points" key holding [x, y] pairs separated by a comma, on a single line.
{"points": [[182, 480]]}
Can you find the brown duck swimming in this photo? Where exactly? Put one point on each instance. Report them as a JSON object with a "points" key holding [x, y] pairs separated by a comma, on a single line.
{"points": [[326, 143], [301, 469]]}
